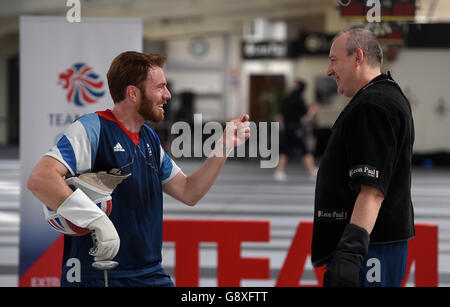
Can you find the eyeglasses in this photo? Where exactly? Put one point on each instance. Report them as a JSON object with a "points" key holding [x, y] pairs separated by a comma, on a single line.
{"points": [[147, 159]]}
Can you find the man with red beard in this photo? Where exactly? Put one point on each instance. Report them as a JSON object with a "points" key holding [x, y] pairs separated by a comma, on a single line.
{"points": [[119, 140]]}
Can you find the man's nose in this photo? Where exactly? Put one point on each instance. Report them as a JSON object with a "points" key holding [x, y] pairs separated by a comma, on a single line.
{"points": [[330, 71], [167, 94]]}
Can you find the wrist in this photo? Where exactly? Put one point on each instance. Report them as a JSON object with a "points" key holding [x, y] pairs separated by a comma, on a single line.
{"points": [[354, 239], [224, 147], [79, 209], [350, 252]]}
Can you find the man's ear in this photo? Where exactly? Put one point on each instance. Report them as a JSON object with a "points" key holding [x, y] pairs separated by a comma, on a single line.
{"points": [[359, 56], [132, 92]]}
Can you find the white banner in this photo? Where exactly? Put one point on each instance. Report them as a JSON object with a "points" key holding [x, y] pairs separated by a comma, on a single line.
{"points": [[63, 69]]}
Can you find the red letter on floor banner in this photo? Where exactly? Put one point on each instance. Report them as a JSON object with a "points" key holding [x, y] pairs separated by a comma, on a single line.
{"points": [[423, 250], [231, 268], [294, 264]]}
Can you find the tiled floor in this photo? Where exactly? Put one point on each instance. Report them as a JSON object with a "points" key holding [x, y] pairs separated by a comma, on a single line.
{"points": [[243, 191]]}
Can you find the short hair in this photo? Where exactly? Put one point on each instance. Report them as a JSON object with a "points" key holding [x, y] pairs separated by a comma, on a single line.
{"points": [[131, 68], [367, 41]]}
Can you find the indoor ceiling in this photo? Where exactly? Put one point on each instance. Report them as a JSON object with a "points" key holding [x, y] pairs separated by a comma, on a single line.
{"points": [[166, 18]]}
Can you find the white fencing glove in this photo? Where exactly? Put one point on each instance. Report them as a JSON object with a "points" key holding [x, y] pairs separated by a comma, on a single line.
{"points": [[85, 209], [80, 210], [106, 239]]}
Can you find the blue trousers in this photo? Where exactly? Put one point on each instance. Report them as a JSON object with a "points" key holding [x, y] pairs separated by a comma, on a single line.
{"points": [[155, 279], [385, 265]]}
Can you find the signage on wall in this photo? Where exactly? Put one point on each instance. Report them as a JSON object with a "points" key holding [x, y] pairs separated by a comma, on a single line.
{"points": [[314, 44], [265, 50], [390, 10], [307, 44]]}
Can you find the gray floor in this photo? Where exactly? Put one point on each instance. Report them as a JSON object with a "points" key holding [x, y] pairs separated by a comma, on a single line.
{"points": [[242, 191]]}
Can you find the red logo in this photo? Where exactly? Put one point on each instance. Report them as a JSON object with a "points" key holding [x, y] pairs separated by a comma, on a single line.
{"points": [[82, 84]]}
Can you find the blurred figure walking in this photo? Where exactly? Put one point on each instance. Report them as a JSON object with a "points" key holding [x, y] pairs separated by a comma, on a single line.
{"points": [[293, 115]]}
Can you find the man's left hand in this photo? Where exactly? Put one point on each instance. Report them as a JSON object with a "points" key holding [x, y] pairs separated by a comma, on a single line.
{"points": [[237, 131]]}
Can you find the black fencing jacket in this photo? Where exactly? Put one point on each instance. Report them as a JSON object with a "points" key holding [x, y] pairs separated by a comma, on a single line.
{"points": [[371, 144]]}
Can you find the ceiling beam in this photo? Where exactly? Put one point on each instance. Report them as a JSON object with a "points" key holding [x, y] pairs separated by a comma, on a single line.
{"points": [[232, 23], [170, 17]]}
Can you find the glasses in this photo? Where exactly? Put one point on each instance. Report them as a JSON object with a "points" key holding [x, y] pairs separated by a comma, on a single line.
{"points": [[146, 154]]}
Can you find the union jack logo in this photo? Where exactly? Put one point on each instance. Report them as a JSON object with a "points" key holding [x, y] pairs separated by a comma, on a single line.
{"points": [[82, 84]]}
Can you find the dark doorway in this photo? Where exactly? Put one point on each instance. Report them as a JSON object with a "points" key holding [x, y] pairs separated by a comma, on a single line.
{"points": [[265, 92]]}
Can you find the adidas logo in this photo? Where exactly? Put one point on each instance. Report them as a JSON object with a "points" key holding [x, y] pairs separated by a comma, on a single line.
{"points": [[118, 147]]}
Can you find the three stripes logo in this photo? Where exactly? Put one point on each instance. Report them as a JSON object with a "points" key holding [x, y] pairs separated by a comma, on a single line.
{"points": [[118, 147]]}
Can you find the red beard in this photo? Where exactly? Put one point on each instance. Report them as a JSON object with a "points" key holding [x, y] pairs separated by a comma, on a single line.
{"points": [[149, 110]]}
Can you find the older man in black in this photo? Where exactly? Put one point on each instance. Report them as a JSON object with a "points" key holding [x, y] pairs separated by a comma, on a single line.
{"points": [[363, 215]]}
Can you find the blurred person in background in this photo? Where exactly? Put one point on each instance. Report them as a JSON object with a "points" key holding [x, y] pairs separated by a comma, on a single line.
{"points": [[293, 117]]}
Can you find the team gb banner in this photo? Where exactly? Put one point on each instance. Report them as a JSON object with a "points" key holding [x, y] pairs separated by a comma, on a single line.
{"points": [[63, 69]]}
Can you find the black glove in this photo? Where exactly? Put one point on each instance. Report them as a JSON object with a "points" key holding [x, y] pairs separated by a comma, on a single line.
{"points": [[350, 253]]}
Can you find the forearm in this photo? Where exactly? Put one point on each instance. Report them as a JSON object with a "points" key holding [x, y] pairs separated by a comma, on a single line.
{"points": [[199, 182], [47, 183], [367, 206], [353, 246]]}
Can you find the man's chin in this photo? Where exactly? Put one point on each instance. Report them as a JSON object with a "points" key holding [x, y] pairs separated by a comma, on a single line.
{"points": [[154, 117], [157, 118]]}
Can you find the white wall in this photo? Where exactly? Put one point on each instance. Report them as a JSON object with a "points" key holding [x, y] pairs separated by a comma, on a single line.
{"points": [[424, 76], [205, 75]]}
